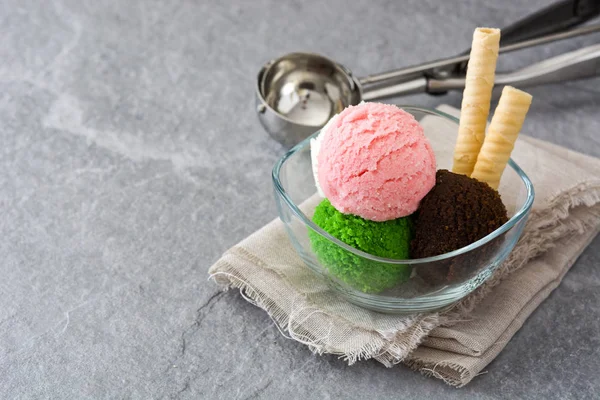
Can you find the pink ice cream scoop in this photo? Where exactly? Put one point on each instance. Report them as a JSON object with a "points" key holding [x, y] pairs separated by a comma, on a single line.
{"points": [[374, 161]]}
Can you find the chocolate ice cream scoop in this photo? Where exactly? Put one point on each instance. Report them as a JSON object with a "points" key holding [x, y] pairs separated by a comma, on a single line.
{"points": [[457, 212]]}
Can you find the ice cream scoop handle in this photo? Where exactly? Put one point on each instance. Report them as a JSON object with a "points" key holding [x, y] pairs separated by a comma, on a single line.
{"points": [[448, 64], [415, 86], [579, 64], [555, 18]]}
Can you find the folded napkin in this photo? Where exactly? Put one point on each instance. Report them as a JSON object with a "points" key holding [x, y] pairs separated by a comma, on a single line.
{"points": [[454, 345]]}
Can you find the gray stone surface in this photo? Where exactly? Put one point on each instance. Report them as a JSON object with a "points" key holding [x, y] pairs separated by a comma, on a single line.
{"points": [[131, 158]]}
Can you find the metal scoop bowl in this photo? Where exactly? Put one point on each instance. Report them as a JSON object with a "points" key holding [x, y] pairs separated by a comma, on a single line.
{"points": [[299, 92]]}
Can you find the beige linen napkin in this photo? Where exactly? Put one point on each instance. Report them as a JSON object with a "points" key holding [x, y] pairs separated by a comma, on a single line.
{"points": [[454, 345]]}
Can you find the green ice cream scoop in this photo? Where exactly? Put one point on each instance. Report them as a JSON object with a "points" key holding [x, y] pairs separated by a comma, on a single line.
{"points": [[389, 239]]}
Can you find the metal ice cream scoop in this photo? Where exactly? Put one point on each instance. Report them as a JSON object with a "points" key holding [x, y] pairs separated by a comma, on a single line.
{"points": [[298, 93]]}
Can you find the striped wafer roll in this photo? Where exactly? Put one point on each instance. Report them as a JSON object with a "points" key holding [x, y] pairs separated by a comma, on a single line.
{"points": [[477, 95], [501, 136]]}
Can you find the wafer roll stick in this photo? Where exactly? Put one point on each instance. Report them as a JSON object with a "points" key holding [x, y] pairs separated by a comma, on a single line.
{"points": [[477, 95], [501, 136]]}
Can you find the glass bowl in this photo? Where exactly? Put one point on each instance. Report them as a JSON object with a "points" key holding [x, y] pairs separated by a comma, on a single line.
{"points": [[431, 283]]}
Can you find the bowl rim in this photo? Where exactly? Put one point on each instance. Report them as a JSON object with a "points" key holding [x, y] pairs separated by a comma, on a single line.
{"points": [[518, 216]]}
